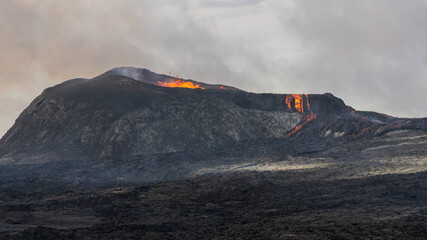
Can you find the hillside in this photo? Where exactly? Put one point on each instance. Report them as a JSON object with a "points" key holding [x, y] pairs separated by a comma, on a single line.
{"points": [[135, 154]]}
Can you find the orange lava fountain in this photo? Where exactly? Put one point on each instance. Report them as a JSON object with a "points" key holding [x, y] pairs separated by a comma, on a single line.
{"points": [[298, 100], [180, 84]]}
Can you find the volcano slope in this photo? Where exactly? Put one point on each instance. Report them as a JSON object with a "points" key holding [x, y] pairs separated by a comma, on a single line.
{"points": [[120, 156]]}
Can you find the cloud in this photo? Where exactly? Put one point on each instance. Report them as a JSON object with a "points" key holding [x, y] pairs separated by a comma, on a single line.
{"points": [[371, 54]]}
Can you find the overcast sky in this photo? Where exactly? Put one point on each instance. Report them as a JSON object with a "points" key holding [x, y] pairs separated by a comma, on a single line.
{"points": [[372, 54]]}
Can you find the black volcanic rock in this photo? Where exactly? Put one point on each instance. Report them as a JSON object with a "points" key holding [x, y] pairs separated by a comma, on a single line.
{"points": [[119, 156], [113, 116], [146, 76]]}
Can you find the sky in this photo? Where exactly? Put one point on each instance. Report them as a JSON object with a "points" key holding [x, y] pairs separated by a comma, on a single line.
{"points": [[372, 54]]}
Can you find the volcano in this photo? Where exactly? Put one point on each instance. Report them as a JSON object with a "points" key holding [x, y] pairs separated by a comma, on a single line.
{"points": [[130, 113], [131, 134]]}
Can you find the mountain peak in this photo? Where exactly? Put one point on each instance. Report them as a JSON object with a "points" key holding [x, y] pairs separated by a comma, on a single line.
{"points": [[146, 76], [128, 112]]}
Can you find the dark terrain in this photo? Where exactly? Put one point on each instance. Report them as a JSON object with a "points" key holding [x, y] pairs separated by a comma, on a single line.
{"points": [[118, 157]]}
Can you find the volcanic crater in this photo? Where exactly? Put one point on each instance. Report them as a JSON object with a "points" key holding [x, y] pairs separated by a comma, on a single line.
{"points": [[131, 153]]}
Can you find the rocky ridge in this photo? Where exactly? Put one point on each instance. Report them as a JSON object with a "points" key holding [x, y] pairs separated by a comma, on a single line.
{"points": [[133, 154], [113, 117]]}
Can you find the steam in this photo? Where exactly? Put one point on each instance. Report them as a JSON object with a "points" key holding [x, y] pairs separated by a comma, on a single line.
{"points": [[129, 72]]}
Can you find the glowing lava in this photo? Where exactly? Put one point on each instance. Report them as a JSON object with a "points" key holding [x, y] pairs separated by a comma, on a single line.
{"points": [[288, 101], [298, 100], [305, 120], [180, 84], [364, 130]]}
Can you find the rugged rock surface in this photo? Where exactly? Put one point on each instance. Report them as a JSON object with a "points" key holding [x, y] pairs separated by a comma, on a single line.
{"points": [[146, 76], [115, 117], [372, 188], [120, 156]]}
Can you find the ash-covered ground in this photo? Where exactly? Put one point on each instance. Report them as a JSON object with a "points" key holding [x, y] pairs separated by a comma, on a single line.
{"points": [[372, 188], [117, 157]]}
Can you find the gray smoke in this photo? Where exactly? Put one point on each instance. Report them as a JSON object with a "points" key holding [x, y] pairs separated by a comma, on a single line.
{"points": [[129, 72]]}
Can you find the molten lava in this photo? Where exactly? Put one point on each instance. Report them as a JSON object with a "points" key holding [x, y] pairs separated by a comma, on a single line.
{"points": [[180, 84], [364, 130], [299, 100], [305, 120], [299, 103], [288, 101]]}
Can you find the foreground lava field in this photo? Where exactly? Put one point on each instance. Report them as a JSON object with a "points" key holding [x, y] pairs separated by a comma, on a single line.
{"points": [[131, 154], [373, 188]]}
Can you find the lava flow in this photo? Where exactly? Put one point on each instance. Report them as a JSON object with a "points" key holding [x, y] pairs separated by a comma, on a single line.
{"points": [[180, 84], [298, 100]]}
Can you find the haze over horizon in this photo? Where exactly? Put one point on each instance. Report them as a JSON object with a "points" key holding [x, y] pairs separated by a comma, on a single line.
{"points": [[371, 54]]}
